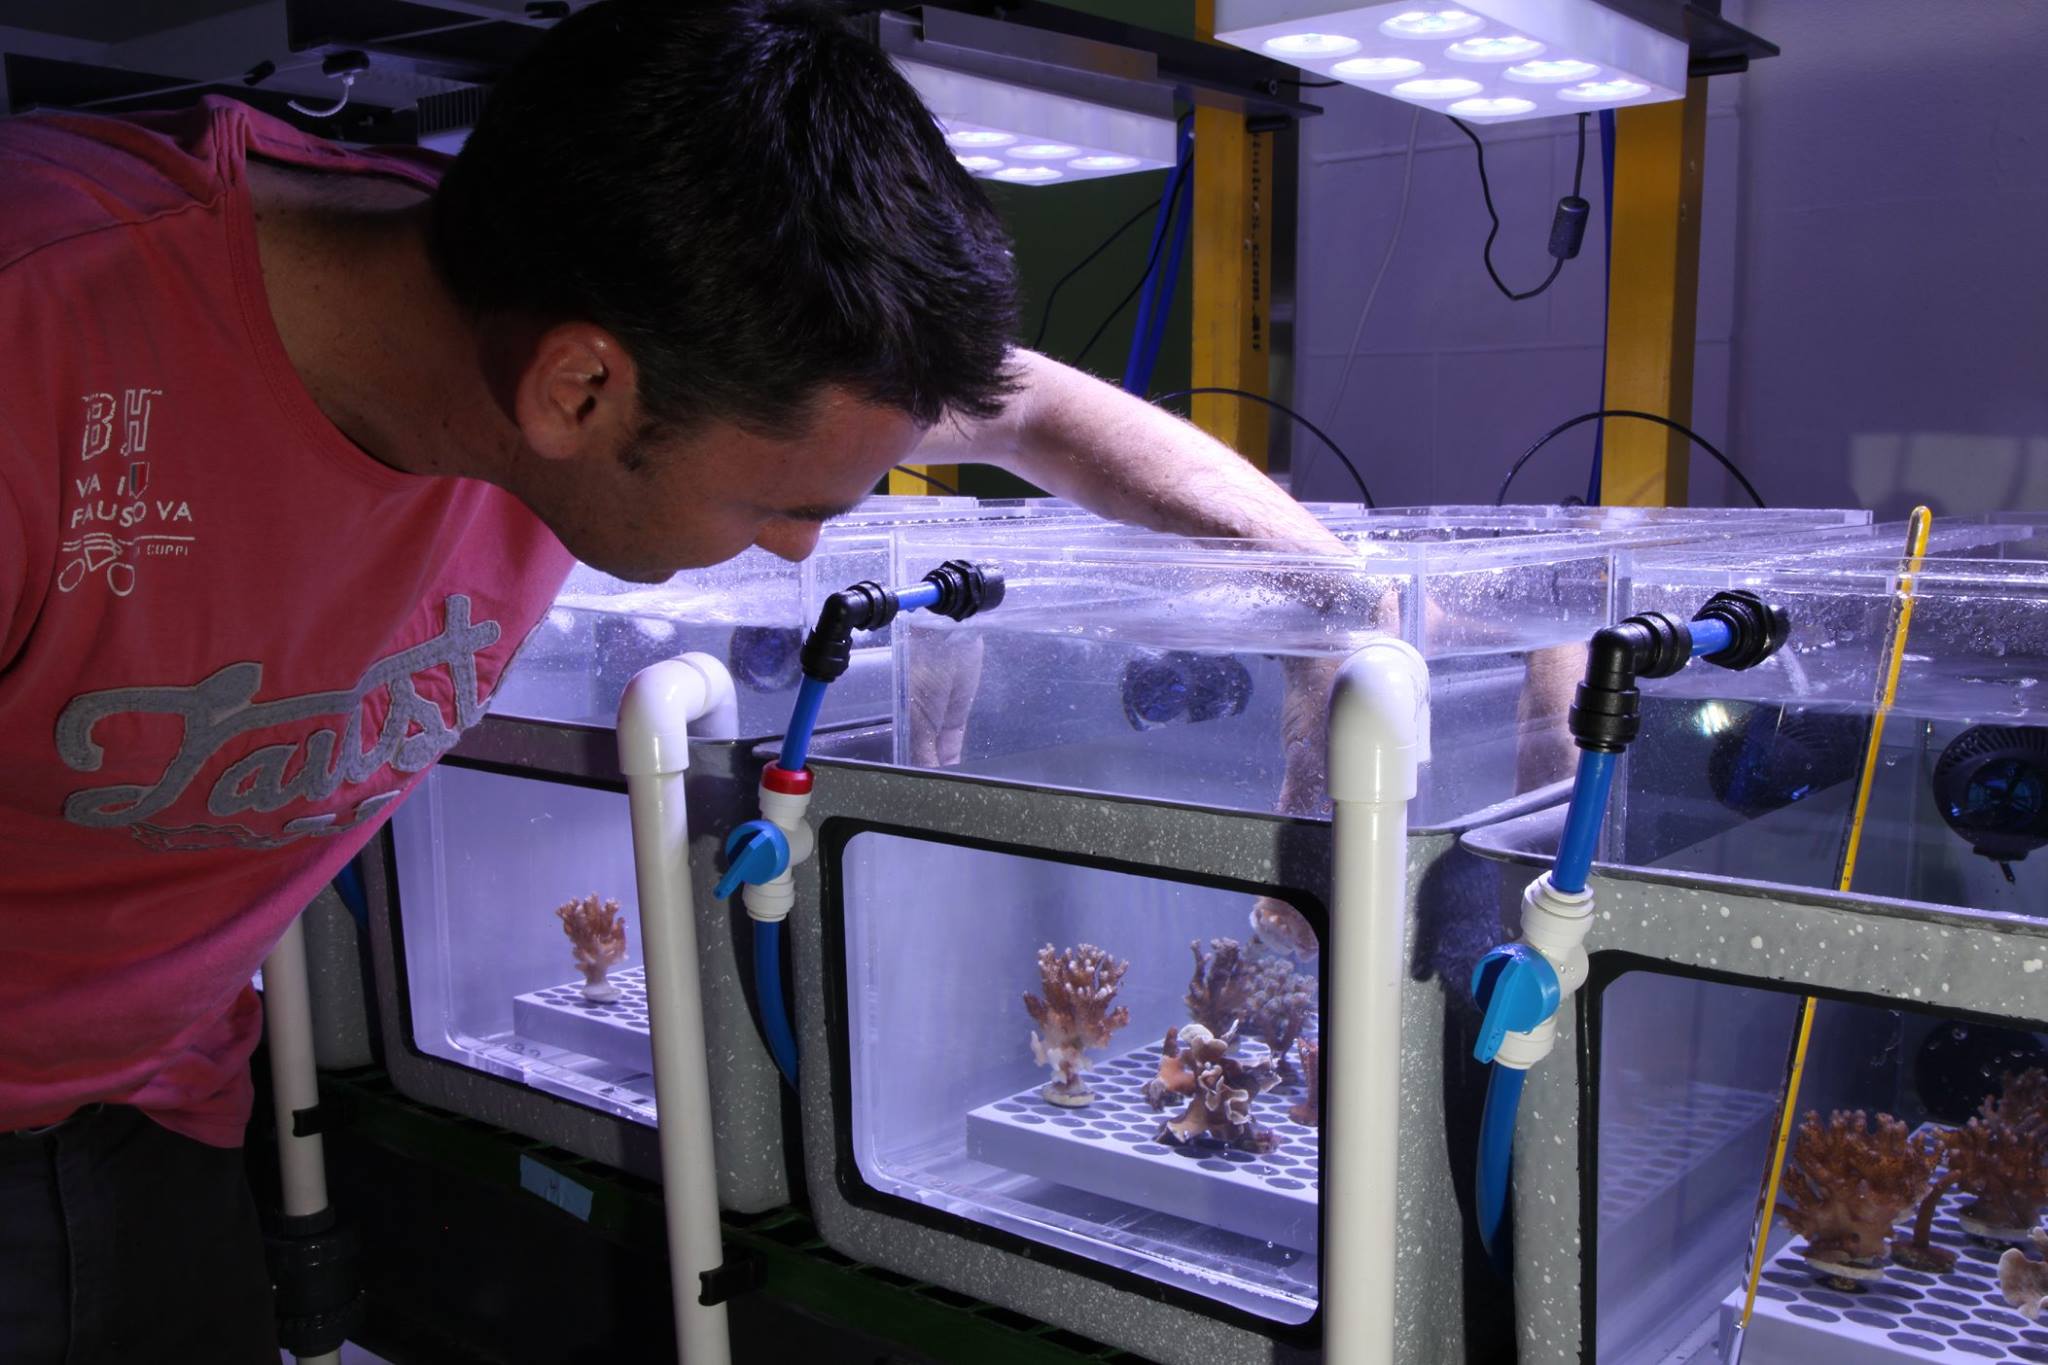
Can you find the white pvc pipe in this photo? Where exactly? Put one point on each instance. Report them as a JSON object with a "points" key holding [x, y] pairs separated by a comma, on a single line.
{"points": [[294, 1084], [655, 716], [1379, 733]]}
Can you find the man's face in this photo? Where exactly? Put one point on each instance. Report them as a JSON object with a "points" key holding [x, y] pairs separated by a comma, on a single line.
{"points": [[666, 501]]}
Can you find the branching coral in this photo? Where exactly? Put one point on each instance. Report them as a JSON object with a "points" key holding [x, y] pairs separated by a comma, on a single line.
{"points": [[1219, 992], [1079, 985], [1221, 1106], [1277, 1005], [1308, 1111], [2000, 1159], [1847, 1183], [597, 938], [2024, 1282]]}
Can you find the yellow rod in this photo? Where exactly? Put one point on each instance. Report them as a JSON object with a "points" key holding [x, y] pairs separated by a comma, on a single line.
{"points": [[1902, 622]]}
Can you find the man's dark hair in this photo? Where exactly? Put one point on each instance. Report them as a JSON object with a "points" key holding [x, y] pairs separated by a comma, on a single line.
{"points": [[750, 197]]}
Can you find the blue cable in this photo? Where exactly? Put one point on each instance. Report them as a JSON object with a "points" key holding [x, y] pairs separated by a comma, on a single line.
{"points": [[1606, 289], [768, 993], [1168, 206], [1169, 286], [1496, 1158]]}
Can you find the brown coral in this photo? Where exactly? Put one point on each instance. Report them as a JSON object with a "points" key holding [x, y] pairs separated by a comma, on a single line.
{"points": [[1079, 985], [1219, 991], [1176, 1076], [597, 938], [1848, 1182], [2000, 1159], [1308, 1111], [1278, 1003], [1221, 1107]]}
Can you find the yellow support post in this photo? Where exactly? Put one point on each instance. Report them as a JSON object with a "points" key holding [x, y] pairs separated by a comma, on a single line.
{"points": [[1232, 244], [1653, 295], [904, 479]]}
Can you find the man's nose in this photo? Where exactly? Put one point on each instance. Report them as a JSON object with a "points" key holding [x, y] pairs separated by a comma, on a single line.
{"points": [[790, 540]]}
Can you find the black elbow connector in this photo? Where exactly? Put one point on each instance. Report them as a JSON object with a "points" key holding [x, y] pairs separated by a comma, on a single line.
{"points": [[1604, 714], [829, 648], [1756, 629], [963, 590]]}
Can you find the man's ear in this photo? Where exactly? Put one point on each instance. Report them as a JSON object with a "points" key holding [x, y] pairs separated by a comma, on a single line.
{"points": [[576, 395]]}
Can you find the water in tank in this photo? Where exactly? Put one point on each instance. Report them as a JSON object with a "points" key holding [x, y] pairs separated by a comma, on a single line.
{"points": [[1191, 671], [1760, 775], [1917, 1163], [749, 612]]}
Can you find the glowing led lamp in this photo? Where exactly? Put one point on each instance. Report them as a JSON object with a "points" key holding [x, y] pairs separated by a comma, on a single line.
{"points": [[1489, 61], [1021, 136]]}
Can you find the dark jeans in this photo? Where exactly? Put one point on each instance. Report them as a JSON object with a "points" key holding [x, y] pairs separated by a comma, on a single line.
{"points": [[122, 1241]]}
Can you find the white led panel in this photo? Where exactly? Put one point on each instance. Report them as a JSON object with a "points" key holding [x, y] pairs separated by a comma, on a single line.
{"points": [[1485, 61], [1022, 136]]}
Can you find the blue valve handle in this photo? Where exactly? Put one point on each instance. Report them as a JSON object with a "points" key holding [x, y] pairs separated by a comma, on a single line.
{"points": [[1518, 989], [755, 852]]}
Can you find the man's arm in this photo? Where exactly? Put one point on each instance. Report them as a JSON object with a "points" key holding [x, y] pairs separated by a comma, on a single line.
{"points": [[1118, 456]]}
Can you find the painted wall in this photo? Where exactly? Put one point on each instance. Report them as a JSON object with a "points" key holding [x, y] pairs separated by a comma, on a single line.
{"points": [[1873, 320]]}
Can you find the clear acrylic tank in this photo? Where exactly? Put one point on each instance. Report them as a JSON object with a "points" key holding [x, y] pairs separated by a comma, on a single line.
{"points": [[1755, 775], [749, 612], [1161, 668]]}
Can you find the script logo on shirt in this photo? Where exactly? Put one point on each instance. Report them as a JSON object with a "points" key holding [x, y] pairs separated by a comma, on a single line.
{"points": [[311, 768]]}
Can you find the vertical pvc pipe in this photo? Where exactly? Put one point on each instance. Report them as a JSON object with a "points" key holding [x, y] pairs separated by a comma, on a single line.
{"points": [[1379, 732], [294, 1083], [654, 718]]}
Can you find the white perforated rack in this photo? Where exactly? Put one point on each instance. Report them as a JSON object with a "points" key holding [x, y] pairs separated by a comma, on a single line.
{"points": [[1111, 1148], [616, 1032], [1908, 1315]]}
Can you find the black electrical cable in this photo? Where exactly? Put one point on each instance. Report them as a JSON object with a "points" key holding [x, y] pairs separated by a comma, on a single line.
{"points": [[1564, 209], [1320, 434], [920, 474], [1045, 318], [1562, 427], [1311, 85]]}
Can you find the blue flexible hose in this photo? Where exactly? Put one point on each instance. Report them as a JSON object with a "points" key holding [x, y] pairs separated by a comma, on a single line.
{"points": [[1169, 203], [803, 719], [1582, 822], [1496, 1161], [775, 1025]]}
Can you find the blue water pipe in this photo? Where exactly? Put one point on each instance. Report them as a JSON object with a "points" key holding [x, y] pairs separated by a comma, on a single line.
{"points": [[758, 850], [1518, 987], [775, 1025]]}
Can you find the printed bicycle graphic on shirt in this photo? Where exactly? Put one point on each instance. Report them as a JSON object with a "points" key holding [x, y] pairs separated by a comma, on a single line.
{"points": [[99, 552]]}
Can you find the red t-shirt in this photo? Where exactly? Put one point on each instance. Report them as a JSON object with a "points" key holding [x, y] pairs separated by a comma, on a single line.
{"points": [[230, 641]]}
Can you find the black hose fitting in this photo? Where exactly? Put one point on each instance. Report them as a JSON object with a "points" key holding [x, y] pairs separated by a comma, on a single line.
{"points": [[1604, 714], [1756, 629], [964, 589]]}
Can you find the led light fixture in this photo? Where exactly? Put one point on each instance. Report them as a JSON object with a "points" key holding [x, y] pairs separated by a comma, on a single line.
{"points": [[1488, 61], [1002, 130]]}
